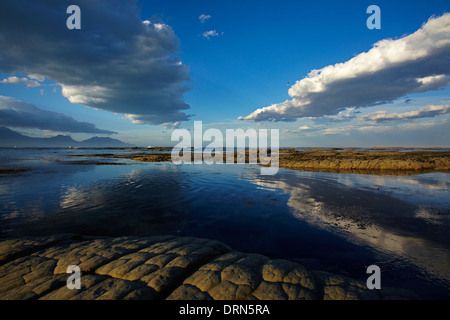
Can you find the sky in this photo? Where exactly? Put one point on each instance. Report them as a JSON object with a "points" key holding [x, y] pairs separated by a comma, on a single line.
{"points": [[137, 70]]}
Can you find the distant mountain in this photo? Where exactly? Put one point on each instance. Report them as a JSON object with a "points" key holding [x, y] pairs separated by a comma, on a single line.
{"points": [[6, 133], [59, 140], [10, 138], [104, 142]]}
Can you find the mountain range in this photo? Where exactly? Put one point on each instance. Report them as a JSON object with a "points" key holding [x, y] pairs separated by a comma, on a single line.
{"points": [[10, 138]]}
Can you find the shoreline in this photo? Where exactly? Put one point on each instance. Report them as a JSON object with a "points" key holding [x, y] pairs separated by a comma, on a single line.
{"points": [[336, 160], [366, 161]]}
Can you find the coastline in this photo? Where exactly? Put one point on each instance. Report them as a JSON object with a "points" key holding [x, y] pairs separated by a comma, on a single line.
{"points": [[371, 161], [374, 160]]}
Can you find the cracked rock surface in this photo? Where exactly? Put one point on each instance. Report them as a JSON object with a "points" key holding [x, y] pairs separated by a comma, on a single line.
{"points": [[164, 267]]}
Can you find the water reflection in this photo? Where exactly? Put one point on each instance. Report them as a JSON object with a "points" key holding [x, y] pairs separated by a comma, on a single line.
{"points": [[386, 224], [139, 202]]}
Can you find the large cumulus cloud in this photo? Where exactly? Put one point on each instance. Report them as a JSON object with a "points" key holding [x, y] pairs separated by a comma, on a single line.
{"points": [[118, 61], [392, 69]]}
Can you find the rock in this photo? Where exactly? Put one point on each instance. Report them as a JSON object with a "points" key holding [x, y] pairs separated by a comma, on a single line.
{"points": [[188, 293], [164, 267], [15, 248], [64, 293], [203, 280]]}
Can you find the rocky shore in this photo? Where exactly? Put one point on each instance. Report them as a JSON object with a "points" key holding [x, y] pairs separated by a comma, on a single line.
{"points": [[372, 161], [164, 267], [366, 161]]}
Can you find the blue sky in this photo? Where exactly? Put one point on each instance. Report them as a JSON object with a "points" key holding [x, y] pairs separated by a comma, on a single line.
{"points": [[256, 49]]}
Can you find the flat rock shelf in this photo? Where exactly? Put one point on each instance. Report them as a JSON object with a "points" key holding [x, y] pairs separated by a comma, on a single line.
{"points": [[164, 267]]}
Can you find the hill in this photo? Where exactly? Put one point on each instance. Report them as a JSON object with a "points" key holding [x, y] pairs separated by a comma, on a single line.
{"points": [[11, 138]]}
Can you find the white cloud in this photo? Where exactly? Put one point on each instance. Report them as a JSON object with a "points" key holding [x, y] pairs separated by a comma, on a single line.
{"points": [[422, 125], [341, 116], [37, 77], [392, 69], [170, 125], [17, 80], [209, 34], [390, 129], [204, 17], [424, 112]]}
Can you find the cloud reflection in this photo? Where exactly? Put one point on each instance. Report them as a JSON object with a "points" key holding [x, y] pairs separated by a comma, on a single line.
{"points": [[341, 210]]}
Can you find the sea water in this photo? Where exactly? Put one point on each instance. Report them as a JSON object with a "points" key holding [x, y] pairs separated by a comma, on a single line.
{"points": [[336, 222]]}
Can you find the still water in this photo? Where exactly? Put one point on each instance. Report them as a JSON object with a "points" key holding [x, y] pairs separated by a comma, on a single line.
{"points": [[335, 222]]}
